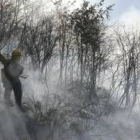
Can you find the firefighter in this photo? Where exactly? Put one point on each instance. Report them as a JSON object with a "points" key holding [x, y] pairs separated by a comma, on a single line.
{"points": [[10, 77]]}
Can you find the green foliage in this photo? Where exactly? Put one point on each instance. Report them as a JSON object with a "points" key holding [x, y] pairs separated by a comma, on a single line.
{"points": [[88, 20], [89, 27]]}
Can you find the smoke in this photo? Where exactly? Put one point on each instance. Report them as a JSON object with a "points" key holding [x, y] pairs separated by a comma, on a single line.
{"points": [[118, 126], [13, 125], [60, 123]]}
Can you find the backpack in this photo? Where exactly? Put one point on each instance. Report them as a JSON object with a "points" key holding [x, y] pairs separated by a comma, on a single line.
{"points": [[2, 75]]}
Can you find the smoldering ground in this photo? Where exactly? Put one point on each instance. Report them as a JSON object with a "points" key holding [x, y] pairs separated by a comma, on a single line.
{"points": [[13, 125], [60, 123]]}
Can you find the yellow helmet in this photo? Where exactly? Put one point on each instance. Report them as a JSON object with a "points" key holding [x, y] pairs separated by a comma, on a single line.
{"points": [[16, 52]]}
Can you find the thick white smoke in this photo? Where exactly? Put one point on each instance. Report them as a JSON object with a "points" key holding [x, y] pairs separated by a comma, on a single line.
{"points": [[14, 125]]}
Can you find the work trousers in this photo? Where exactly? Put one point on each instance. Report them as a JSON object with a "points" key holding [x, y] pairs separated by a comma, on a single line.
{"points": [[17, 88]]}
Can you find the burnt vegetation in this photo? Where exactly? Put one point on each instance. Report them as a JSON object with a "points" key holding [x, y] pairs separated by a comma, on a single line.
{"points": [[87, 59]]}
